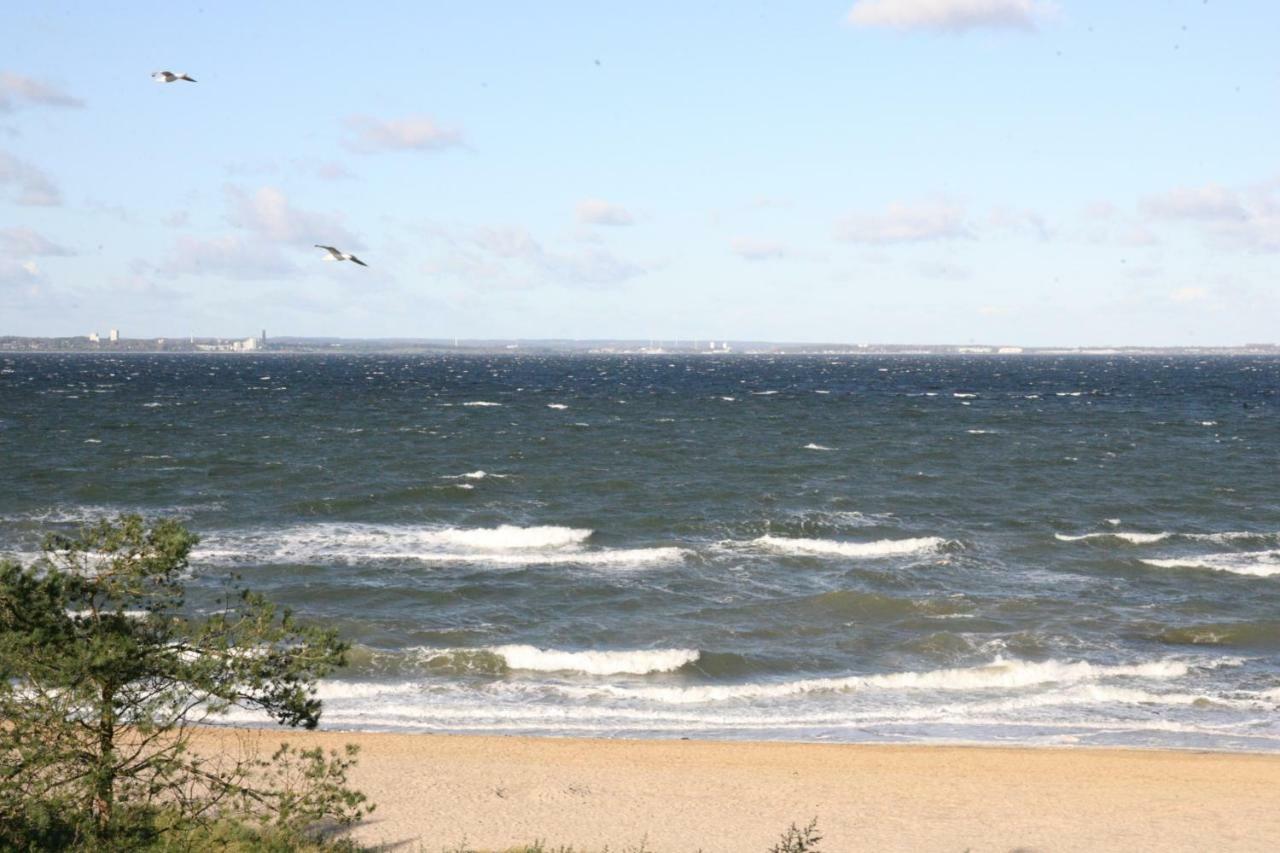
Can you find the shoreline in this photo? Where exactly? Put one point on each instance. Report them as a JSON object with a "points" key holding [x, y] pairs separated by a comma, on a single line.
{"points": [[435, 791]]}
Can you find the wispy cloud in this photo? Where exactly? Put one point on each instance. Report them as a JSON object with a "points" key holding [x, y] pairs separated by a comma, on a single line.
{"points": [[906, 223], [21, 242], [1245, 219], [269, 214], [593, 211], [368, 135], [28, 185], [19, 248], [17, 91], [511, 257], [233, 256], [16, 273], [1018, 220], [953, 16], [266, 221], [1207, 203], [750, 249], [333, 171], [1188, 294]]}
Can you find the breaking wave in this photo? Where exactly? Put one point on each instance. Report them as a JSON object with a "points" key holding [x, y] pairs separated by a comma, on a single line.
{"points": [[496, 660], [835, 548], [1256, 563], [349, 543], [1000, 674]]}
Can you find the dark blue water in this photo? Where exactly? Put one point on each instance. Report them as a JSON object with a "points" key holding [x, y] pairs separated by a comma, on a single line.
{"points": [[1027, 549]]}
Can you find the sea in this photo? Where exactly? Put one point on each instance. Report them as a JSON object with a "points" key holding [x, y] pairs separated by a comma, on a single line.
{"points": [[1074, 550]]}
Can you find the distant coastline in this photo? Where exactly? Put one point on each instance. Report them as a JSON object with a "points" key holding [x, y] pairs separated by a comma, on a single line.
{"points": [[410, 346]]}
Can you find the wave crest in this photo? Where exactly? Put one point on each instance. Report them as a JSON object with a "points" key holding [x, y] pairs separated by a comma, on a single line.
{"points": [[866, 550]]}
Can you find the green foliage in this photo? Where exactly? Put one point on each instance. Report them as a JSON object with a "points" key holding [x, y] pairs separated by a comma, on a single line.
{"points": [[797, 840], [103, 674]]}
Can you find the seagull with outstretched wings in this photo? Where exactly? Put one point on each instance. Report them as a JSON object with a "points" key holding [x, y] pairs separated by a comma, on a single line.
{"points": [[170, 77], [335, 255]]}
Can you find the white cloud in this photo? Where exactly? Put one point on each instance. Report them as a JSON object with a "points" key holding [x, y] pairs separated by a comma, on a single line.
{"points": [[511, 257], [333, 171], [1208, 203], [16, 90], [269, 214], [759, 250], [267, 221], [24, 242], [20, 273], [1243, 219], [596, 212], [906, 223], [949, 15], [415, 133], [1012, 219], [31, 186]]}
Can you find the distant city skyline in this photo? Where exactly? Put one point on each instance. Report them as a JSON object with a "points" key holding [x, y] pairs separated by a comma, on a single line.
{"points": [[889, 171]]}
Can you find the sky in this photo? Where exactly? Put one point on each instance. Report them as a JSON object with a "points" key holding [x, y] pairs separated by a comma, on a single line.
{"points": [[1019, 172]]}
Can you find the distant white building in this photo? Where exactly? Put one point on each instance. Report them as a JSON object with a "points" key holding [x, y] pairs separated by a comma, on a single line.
{"points": [[93, 337], [246, 345], [114, 336]]}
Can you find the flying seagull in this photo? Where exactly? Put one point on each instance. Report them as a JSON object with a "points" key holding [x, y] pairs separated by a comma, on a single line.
{"points": [[169, 77], [335, 255]]}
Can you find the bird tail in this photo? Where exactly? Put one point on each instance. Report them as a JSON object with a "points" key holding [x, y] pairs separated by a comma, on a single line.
{"points": [[187, 77]]}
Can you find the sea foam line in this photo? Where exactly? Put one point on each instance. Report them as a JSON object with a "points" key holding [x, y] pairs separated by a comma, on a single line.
{"points": [[503, 545], [868, 550], [589, 661], [1256, 563], [1139, 538], [1000, 674]]}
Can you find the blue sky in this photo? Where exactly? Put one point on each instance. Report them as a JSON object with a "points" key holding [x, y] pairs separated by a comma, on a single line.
{"points": [[941, 171]]}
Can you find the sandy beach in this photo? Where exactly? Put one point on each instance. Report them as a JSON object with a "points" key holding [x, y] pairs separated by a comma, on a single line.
{"points": [[434, 791]]}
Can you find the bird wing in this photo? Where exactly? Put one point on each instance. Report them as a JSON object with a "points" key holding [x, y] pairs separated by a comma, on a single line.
{"points": [[356, 260], [187, 77], [330, 250]]}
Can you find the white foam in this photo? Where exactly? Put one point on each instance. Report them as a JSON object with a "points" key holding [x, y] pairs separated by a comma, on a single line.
{"points": [[764, 393], [594, 662], [963, 396], [1133, 538], [812, 446], [556, 406], [729, 399], [832, 547], [473, 475], [1000, 674], [1136, 538], [506, 545], [481, 403], [1255, 563], [980, 431], [507, 537]]}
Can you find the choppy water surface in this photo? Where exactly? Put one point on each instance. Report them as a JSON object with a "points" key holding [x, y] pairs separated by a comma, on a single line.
{"points": [[1037, 550]]}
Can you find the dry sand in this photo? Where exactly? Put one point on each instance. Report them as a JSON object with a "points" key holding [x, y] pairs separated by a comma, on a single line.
{"points": [[433, 791]]}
